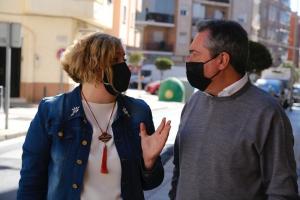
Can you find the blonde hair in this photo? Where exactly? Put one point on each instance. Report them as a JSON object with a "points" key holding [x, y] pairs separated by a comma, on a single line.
{"points": [[87, 58]]}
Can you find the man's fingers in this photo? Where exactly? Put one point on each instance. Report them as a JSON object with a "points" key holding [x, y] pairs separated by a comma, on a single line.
{"points": [[161, 126], [143, 131], [165, 132]]}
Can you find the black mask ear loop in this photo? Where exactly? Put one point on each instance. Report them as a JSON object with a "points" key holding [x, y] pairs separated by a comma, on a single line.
{"points": [[109, 86], [215, 75], [218, 70]]}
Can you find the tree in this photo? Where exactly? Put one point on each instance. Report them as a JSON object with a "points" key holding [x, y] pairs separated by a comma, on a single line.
{"points": [[162, 64], [259, 57], [135, 59]]}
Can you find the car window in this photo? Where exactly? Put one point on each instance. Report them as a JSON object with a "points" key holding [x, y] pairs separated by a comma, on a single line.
{"points": [[270, 85]]}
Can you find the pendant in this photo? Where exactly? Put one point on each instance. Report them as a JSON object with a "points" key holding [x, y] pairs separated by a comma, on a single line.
{"points": [[105, 137]]}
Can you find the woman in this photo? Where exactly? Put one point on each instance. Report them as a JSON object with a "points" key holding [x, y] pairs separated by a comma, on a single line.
{"points": [[92, 142]]}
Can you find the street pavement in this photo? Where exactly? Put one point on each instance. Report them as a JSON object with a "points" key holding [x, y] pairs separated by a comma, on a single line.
{"points": [[19, 121]]}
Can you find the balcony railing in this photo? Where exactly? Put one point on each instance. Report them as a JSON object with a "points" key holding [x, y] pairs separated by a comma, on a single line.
{"points": [[159, 17], [158, 46], [220, 1]]}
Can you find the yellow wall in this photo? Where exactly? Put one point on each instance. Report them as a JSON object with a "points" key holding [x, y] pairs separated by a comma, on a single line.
{"points": [[12, 6], [49, 25], [124, 24]]}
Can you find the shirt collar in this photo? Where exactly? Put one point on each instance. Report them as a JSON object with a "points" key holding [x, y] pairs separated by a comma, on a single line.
{"points": [[233, 88]]}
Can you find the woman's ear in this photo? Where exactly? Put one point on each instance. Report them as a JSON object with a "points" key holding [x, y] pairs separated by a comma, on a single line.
{"points": [[224, 60]]}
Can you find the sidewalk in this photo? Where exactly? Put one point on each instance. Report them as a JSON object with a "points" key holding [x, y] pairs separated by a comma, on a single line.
{"points": [[19, 119], [161, 192]]}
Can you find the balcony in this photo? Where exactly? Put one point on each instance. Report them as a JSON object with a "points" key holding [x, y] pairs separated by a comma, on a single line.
{"points": [[156, 19], [220, 1], [158, 46], [160, 17]]}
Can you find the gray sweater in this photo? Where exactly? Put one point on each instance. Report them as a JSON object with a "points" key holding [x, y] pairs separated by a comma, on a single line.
{"points": [[234, 148]]}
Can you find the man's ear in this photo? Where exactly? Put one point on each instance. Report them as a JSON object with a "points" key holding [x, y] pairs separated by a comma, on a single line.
{"points": [[224, 60]]}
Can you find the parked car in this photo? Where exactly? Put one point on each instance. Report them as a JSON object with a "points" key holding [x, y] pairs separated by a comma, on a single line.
{"points": [[296, 93], [152, 87], [277, 89], [146, 77], [284, 75]]}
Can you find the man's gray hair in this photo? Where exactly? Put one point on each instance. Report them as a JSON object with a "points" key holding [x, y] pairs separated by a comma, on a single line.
{"points": [[229, 37]]}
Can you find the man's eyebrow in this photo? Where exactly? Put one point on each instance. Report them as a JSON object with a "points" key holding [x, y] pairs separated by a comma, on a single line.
{"points": [[194, 51]]}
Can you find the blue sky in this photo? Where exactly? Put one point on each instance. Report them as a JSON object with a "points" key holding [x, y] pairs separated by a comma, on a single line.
{"points": [[295, 5]]}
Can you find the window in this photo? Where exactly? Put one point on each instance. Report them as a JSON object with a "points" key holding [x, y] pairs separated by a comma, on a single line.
{"points": [[286, 2], [218, 14], [271, 34], [198, 11], [272, 13], [183, 12], [283, 36], [158, 36], [284, 18]]}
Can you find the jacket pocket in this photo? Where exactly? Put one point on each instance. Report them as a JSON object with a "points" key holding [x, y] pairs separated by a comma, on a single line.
{"points": [[62, 142]]}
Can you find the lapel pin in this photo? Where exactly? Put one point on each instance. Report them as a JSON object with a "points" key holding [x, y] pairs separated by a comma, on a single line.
{"points": [[125, 112], [75, 110]]}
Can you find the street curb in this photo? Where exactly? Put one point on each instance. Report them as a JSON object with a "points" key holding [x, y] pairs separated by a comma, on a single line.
{"points": [[11, 135]]}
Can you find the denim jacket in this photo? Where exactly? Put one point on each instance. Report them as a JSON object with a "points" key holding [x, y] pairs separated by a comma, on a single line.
{"points": [[60, 135]]}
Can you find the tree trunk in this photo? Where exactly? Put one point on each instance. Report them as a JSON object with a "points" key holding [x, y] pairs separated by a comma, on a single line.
{"points": [[139, 79], [161, 74]]}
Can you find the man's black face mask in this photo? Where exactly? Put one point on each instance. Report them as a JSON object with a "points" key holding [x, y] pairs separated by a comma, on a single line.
{"points": [[195, 74]]}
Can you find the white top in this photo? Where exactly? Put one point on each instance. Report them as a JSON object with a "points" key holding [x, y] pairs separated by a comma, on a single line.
{"points": [[233, 88], [96, 185]]}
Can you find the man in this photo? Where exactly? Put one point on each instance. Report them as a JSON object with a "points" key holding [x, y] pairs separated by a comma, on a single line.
{"points": [[234, 141]]}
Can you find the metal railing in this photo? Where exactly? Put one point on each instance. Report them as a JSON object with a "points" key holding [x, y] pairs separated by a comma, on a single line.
{"points": [[220, 1], [159, 46], [160, 17]]}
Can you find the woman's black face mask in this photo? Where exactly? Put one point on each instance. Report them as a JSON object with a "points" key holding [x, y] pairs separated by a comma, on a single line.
{"points": [[121, 78], [195, 74]]}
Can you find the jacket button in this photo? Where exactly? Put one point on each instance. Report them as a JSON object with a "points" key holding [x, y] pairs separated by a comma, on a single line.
{"points": [[79, 162], [84, 142], [60, 134], [74, 186], [85, 121]]}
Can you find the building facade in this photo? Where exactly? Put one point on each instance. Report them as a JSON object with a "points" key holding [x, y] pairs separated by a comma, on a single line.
{"points": [[48, 27], [155, 28], [294, 37], [275, 27], [167, 29], [248, 15]]}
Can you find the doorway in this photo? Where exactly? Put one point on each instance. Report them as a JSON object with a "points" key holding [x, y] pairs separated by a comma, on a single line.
{"points": [[15, 70]]}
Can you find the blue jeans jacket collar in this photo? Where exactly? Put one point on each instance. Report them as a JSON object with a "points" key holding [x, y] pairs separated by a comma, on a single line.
{"points": [[75, 108]]}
